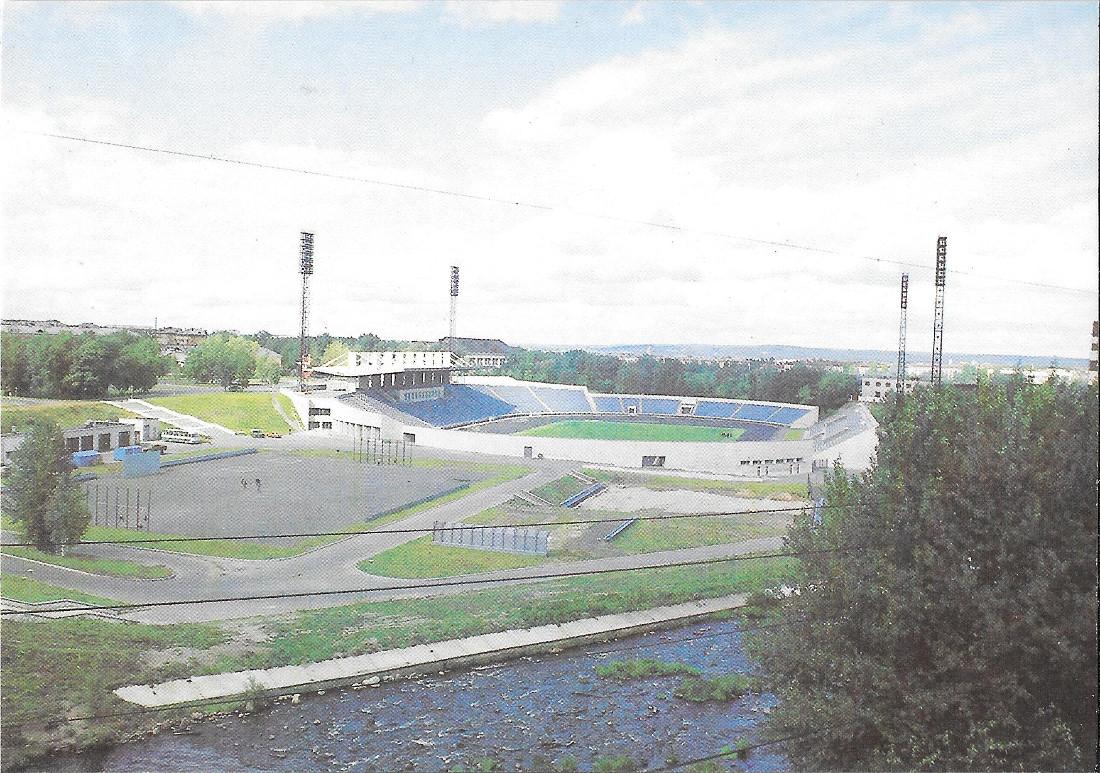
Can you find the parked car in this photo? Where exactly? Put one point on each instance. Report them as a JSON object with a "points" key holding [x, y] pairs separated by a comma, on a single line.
{"points": [[274, 434], [257, 433]]}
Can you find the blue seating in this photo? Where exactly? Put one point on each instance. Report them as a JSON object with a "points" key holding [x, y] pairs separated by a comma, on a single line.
{"points": [[755, 412], [715, 409], [663, 407], [460, 404], [788, 415], [521, 397], [757, 432], [563, 400], [608, 404]]}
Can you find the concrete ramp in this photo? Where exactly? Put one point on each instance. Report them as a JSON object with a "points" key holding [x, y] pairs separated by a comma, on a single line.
{"points": [[390, 663]]}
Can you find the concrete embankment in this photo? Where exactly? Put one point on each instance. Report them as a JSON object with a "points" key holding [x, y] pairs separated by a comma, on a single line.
{"points": [[391, 663]]}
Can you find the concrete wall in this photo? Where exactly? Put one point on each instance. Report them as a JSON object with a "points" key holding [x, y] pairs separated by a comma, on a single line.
{"points": [[346, 418], [719, 458]]}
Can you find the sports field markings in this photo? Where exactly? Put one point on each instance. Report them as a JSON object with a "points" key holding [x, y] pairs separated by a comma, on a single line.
{"points": [[592, 429]]}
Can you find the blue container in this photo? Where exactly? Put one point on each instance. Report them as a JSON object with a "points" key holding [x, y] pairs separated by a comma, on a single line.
{"points": [[85, 458], [122, 451]]}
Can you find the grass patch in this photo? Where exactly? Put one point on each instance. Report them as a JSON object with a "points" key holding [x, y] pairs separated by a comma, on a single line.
{"points": [[651, 536], [694, 687], [749, 489], [288, 407], [643, 668], [238, 411], [557, 491], [35, 592], [630, 430], [372, 626], [66, 413], [55, 668], [730, 687], [112, 567], [58, 668], [422, 558]]}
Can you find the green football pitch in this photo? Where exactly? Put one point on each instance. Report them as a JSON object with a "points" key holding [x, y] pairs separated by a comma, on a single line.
{"points": [[629, 430]]}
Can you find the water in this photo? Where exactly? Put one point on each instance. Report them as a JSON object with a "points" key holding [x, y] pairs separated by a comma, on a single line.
{"points": [[527, 714]]}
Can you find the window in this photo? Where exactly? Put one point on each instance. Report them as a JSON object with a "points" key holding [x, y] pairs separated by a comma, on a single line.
{"points": [[72, 443], [124, 438], [105, 441], [86, 442], [653, 461]]}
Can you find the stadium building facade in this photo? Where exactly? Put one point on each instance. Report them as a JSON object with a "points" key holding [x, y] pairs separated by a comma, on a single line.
{"points": [[418, 397]]}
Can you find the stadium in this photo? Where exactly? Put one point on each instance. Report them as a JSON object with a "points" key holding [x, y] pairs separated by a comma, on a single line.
{"points": [[424, 398]]}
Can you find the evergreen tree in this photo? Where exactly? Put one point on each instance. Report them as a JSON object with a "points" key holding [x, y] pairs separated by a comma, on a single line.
{"points": [[949, 619], [41, 496]]}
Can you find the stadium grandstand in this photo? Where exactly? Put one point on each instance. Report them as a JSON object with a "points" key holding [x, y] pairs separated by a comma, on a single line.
{"points": [[421, 397]]}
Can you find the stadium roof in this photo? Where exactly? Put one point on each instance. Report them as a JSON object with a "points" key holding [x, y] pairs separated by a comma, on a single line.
{"points": [[465, 346], [356, 364]]}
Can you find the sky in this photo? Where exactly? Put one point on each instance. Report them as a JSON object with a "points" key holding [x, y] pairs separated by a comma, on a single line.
{"points": [[602, 172]]}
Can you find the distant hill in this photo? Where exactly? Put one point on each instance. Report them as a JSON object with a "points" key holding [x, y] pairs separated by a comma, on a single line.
{"points": [[783, 352]]}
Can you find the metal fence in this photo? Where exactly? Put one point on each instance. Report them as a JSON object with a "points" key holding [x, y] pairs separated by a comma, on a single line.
{"points": [[371, 451], [502, 539], [112, 505]]}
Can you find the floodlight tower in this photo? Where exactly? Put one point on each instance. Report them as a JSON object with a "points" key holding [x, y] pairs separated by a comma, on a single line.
{"points": [[899, 387], [454, 306], [305, 268], [937, 322]]}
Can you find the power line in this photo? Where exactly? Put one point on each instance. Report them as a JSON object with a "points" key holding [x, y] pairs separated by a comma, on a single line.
{"points": [[428, 529], [733, 753], [441, 583], [785, 244]]}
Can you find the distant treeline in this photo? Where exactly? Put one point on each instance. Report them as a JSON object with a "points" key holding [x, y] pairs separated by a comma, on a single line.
{"points": [[84, 366], [287, 346], [807, 384], [750, 380]]}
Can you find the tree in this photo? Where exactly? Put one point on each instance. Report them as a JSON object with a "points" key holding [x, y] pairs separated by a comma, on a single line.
{"points": [[13, 359], [48, 361], [946, 613], [269, 370], [140, 365], [333, 352], [87, 373], [41, 496], [222, 359]]}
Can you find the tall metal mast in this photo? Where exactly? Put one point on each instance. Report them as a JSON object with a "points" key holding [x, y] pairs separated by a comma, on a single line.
{"points": [[937, 322], [899, 387], [305, 268], [454, 305]]}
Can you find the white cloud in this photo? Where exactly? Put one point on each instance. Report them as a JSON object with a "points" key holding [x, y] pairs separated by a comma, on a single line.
{"points": [[292, 10], [482, 12], [637, 13], [859, 146]]}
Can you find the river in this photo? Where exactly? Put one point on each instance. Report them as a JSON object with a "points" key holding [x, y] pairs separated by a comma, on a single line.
{"points": [[531, 713]]}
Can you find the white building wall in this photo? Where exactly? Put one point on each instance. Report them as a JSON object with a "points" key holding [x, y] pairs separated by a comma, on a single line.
{"points": [[717, 458]]}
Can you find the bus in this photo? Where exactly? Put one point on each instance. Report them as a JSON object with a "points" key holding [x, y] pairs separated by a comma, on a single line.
{"points": [[181, 436]]}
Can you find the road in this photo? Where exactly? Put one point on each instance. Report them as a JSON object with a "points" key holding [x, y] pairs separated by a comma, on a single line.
{"points": [[331, 569]]}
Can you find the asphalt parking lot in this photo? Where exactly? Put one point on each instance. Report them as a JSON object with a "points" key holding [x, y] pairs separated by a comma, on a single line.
{"points": [[295, 493]]}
